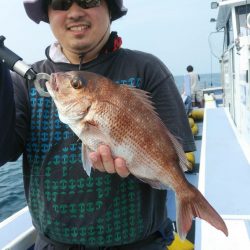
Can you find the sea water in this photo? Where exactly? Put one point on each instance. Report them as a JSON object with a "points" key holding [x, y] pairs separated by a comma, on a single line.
{"points": [[11, 189], [206, 81], [12, 197]]}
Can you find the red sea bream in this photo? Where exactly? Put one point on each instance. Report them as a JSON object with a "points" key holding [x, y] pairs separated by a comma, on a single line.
{"points": [[100, 111]]}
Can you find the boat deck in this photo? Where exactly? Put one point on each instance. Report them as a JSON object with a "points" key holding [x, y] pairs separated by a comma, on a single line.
{"points": [[17, 228], [224, 179]]}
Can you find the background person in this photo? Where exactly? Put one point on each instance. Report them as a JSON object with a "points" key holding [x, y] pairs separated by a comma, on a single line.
{"points": [[191, 87]]}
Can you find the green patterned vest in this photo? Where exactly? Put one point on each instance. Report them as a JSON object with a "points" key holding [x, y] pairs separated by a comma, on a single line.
{"points": [[68, 206]]}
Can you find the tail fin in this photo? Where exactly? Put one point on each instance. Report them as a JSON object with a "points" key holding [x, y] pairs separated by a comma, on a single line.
{"points": [[193, 204]]}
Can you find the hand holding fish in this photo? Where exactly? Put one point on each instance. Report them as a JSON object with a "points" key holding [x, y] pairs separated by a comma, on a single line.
{"points": [[103, 161]]}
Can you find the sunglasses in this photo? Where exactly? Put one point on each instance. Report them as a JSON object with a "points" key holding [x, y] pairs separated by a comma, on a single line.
{"points": [[66, 4]]}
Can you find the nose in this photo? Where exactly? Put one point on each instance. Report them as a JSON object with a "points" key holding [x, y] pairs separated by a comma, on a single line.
{"points": [[75, 11]]}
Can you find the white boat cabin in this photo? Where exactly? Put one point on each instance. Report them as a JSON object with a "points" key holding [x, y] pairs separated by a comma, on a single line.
{"points": [[234, 19]]}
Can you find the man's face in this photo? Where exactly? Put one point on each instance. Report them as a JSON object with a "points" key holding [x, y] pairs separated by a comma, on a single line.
{"points": [[79, 30]]}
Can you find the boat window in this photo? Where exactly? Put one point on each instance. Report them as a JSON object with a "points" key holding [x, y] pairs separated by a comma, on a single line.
{"points": [[241, 17], [229, 37]]}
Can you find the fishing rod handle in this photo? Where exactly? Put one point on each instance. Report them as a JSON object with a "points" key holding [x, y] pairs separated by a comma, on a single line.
{"points": [[8, 57], [15, 62]]}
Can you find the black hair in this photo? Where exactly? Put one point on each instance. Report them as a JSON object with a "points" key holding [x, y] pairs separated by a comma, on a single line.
{"points": [[190, 68]]}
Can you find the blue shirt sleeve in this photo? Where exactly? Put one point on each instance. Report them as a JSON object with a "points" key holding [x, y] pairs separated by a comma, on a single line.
{"points": [[7, 114]]}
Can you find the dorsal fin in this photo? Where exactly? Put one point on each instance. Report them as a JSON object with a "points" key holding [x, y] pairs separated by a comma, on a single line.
{"points": [[144, 97]]}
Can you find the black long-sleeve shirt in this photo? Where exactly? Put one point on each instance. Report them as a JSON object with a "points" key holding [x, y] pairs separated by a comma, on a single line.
{"points": [[66, 205]]}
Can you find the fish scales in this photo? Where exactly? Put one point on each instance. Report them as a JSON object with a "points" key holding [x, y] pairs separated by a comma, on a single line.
{"points": [[126, 134], [128, 121], [100, 111]]}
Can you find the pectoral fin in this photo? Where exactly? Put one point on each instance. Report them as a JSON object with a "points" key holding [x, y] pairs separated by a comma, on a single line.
{"points": [[93, 137], [87, 164], [95, 133]]}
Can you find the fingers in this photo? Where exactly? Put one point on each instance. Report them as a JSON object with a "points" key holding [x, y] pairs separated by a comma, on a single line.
{"points": [[104, 162], [96, 161], [121, 168], [107, 160]]}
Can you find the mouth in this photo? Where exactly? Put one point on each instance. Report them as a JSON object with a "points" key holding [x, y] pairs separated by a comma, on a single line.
{"points": [[78, 27]]}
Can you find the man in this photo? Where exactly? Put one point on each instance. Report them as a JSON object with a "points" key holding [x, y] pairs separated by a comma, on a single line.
{"points": [[191, 86], [69, 209]]}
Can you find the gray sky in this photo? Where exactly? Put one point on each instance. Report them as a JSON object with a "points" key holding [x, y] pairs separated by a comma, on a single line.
{"points": [[175, 31]]}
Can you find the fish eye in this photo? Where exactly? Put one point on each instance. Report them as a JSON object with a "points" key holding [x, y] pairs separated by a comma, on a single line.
{"points": [[76, 83]]}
